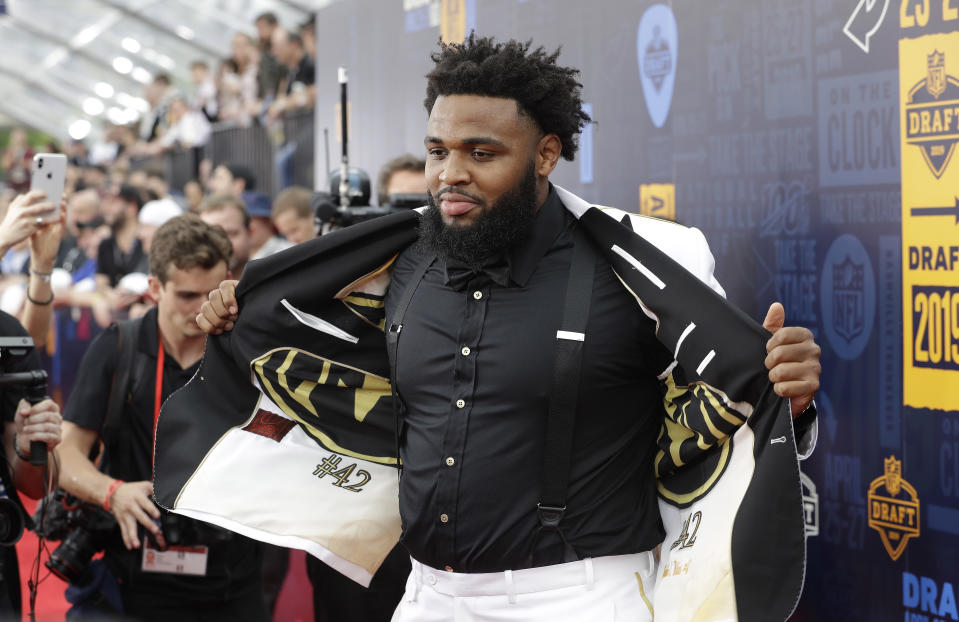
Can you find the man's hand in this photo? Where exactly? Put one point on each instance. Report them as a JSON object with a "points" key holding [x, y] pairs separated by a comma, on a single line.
{"points": [[131, 503], [25, 215], [792, 360], [40, 422], [219, 313], [45, 241]]}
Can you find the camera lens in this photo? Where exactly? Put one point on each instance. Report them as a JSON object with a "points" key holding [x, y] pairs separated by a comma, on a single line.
{"points": [[49, 175], [70, 560], [11, 522], [40, 163]]}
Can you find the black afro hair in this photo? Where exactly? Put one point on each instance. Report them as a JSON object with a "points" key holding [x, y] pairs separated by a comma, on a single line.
{"points": [[545, 92]]}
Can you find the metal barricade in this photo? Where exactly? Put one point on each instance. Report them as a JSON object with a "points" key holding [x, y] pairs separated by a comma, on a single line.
{"points": [[181, 166], [250, 146], [298, 132]]}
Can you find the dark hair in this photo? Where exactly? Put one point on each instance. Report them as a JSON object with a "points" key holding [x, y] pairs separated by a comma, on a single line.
{"points": [[545, 92], [131, 195], [240, 171], [295, 199], [405, 162], [295, 39], [155, 170], [162, 78], [222, 201], [199, 63], [269, 17], [186, 242]]}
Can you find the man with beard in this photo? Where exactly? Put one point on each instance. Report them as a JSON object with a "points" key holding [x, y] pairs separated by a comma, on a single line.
{"points": [[121, 253], [479, 299], [229, 213]]}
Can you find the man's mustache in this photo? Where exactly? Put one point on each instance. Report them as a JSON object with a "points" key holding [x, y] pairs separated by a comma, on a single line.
{"points": [[452, 190]]}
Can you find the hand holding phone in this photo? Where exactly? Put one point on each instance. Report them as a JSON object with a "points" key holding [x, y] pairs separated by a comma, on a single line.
{"points": [[48, 173], [27, 214]]}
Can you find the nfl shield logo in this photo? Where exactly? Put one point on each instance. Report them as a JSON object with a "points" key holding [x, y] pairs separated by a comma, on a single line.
{"points": [[657, 45], [848, 299], [936, 76], [658, 61]]}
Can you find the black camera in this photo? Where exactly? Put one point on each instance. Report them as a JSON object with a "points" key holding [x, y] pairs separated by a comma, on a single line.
{"points": [[329, 212], [182, 531], [11, 520], [84, 529], [408, 200]]}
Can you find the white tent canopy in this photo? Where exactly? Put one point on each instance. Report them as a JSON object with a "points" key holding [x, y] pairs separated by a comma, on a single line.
{"points": [[66, 62]]}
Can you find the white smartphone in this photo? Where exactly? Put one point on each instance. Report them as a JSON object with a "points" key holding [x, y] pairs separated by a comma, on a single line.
{"points": [[48, 173]]}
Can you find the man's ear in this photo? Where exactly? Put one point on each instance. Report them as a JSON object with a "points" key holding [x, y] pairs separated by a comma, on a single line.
{"points": [[548, 151], [154, 288]]}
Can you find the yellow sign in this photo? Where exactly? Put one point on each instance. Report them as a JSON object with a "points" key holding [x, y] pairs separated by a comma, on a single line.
{"points": [[893, 508], [658, 200], [929, 122], [453, 21]]}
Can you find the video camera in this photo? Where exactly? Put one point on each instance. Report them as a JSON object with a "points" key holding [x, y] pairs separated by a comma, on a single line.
{"points": [[12, 350], [348, 201], [330, 213]]}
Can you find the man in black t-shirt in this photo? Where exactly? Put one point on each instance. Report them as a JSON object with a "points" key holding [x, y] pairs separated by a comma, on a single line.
{"points": [[211, 574], [297, 87], [121, 253]]}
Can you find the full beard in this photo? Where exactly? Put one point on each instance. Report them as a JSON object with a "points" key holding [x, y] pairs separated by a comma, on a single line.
{"points": [[505, 223]]}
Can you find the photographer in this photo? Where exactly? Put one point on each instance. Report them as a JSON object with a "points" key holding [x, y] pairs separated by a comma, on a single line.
{"points": [[166, 566], [28, 215]]}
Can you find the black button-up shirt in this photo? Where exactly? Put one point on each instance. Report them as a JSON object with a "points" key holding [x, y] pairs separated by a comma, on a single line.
{"points": [[474, 370]]}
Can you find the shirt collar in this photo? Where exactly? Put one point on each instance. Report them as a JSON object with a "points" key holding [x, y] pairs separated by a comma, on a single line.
{"points": [[550, 222]]}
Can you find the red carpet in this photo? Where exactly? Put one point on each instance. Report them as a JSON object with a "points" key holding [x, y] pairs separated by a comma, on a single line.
{"points": [[295, 603], [51, 606]]}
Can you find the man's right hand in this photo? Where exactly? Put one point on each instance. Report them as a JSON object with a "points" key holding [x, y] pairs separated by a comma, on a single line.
{"points": [[219, 313], [131, 503]]}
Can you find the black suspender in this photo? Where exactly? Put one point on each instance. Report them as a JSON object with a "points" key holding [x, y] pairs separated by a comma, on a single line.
{"points": [[564, 394], [392, 339]]}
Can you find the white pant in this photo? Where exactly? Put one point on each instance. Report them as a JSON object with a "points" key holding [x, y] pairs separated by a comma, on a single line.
{"points": [[602, 589]]}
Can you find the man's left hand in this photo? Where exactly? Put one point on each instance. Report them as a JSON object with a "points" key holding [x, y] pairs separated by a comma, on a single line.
{"points": [[39, 422], [792, 360], [45, 241]]}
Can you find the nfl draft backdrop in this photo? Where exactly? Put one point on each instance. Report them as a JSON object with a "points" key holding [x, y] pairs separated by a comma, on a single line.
{"points": [[813, 142]]}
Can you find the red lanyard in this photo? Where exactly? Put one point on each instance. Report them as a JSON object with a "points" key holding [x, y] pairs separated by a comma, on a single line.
{"points": [[159, 390]]}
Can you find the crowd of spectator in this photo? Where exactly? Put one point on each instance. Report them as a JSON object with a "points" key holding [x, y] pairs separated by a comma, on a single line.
{"points": [[118, 194], [258, 82]]}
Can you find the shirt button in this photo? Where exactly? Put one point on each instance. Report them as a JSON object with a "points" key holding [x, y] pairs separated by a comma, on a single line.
{"points": [[460, 403], [444, 518], [447, 569], [466, 351], [477, 295], [450, 461], [431, 579]]}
